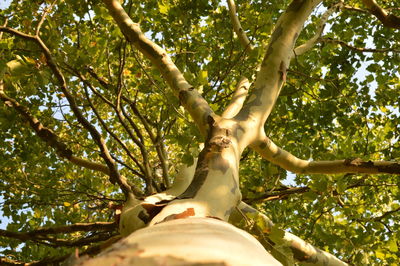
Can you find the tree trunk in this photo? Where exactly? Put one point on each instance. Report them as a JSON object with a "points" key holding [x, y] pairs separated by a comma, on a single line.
{"points": [[190, 241]]}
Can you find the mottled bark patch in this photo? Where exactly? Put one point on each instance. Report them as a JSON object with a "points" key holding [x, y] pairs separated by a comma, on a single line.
{"points": [[228, 212], [282, 71], [357, 162], [244, 114], [210, 157], [303, 256], [238, 130], [262, 145], [275, 36], [267, 54], [146, 47], [199, 178], [185, 214], [219, 163], [265, 143]]}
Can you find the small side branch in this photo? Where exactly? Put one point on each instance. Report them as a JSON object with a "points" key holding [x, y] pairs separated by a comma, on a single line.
{"points": [[48, 135], [237, 28], [89, 165], [278, 194], [358, 49], [45, 13], [190, 98], [388, 20], [43, 132], [271, 152], [51, 138], [320, 28], [67, 259], [238, 98], [114, 174]]}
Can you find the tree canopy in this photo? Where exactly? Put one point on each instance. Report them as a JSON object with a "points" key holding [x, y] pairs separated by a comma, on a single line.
{"points": [[87, 116]]}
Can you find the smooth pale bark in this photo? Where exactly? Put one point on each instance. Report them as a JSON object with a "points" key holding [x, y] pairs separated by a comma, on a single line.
{"points": [[272, 74], [238, 98]]}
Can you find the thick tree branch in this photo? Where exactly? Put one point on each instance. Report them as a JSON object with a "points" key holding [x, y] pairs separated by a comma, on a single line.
{"points": [[271, 152], [48, 135], [303, 252], [388, 20], [237, 28], [18, 33], [96, 226], [272, 74], [238, 98], [301, 49], [43, 132], [189, 97]]}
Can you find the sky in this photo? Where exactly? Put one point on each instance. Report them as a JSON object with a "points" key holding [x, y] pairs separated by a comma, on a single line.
{"points": [[4, 3]]}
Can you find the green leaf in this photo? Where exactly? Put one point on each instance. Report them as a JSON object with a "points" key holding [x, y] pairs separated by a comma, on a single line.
{"points": [[393, 245], [163, 7], [277, 235], [202, 77]]}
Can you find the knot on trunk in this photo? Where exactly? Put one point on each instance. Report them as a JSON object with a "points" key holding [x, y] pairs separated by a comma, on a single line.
{"points": [[218, 143]]}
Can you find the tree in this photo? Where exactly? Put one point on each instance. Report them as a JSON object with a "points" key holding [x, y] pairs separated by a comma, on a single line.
{"points": [[103, 102]]}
